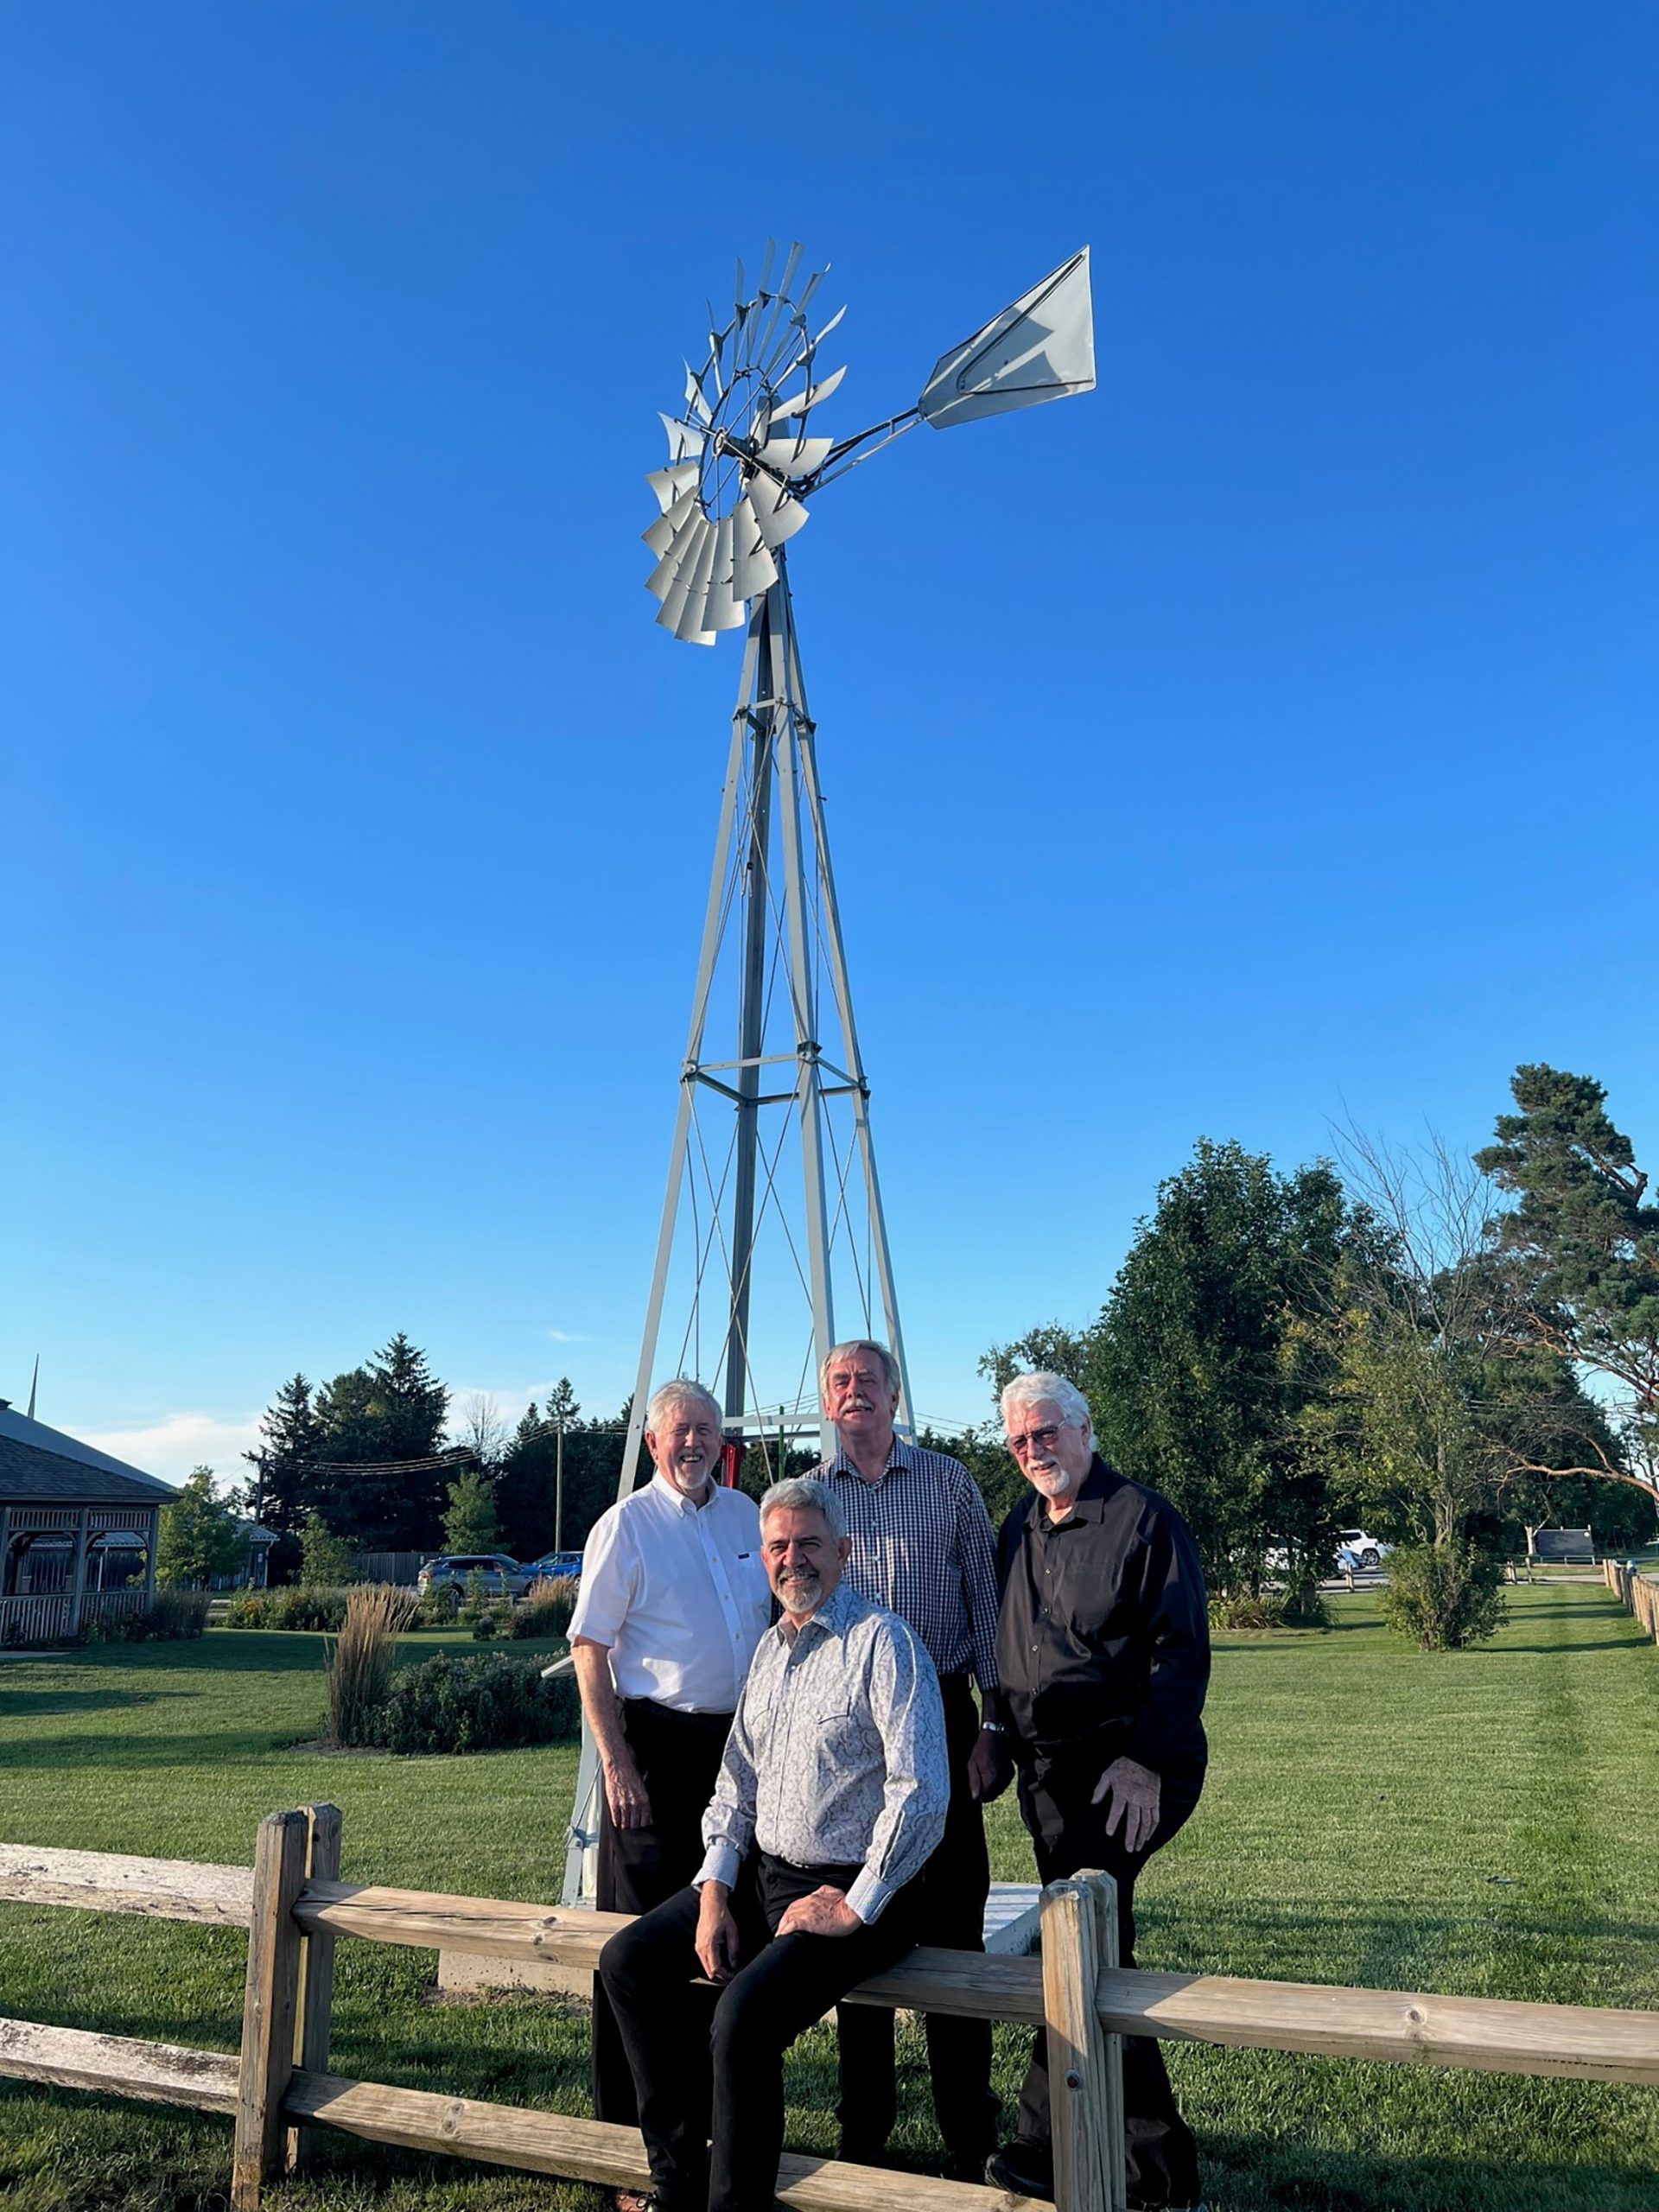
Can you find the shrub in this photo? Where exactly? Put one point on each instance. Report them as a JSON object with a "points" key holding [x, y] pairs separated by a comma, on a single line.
{"points": [[1242, 1611], [1444, 1597], [547, 1607], [441, 1606], [360, 1664], [298, 1605], [487, 1703], [174, 1616]]}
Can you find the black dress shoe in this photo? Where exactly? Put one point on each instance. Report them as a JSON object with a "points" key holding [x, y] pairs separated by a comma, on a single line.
{"points": [[1024, 2167], [968, 2165], [853, 2152]]}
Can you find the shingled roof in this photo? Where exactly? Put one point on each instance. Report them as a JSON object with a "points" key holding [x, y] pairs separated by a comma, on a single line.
{"points": [[48, 1468]]}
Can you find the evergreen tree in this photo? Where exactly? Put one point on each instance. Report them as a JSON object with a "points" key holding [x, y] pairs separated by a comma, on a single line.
{"points": [[470, 1524], [200, 1537], [1584, 1245], [283, 1462]]}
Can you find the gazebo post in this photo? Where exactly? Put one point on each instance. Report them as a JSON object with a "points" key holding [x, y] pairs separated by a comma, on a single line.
{"points": [[78, 1595]]}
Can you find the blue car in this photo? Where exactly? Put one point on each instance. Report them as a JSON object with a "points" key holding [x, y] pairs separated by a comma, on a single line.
{"points": [[556, 1566]]}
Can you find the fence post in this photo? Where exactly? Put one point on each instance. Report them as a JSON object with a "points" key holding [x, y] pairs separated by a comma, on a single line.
{"points": [[269, 2007], [1085, 2079], [317, 1986]]}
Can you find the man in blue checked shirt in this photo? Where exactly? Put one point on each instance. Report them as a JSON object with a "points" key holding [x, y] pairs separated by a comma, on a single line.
{"points": [[922, 1546], [835, 1783]]}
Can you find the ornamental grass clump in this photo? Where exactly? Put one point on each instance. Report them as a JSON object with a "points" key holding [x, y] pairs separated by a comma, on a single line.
{"points": [[547, 1607], [362, 1659]]}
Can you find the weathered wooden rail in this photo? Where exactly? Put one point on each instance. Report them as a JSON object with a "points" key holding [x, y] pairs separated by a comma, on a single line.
{"points": [[1637, 1593], [296, 1908]]}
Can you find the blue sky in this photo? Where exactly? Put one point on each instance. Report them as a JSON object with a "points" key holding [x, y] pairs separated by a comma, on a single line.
{"points": [[1264, 740]]}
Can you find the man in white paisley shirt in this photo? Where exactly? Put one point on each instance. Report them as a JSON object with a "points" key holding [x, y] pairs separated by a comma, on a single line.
{"points": [[834, 1784]]}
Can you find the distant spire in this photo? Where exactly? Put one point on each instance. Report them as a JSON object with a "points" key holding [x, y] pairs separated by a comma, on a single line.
{"points": [[33, 1382]]}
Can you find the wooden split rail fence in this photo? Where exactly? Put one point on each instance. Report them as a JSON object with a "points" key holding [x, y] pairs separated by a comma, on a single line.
{"points": [[1637, 1593], [294, 1907]]}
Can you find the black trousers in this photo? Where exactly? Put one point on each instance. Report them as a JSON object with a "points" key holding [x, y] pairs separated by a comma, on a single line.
{"points": [[954, 1885], [1069, 1834], [678, 1757], [695, 2080]]}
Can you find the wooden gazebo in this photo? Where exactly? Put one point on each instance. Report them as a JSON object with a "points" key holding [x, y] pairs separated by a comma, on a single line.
{"points": [[77, 1532]]}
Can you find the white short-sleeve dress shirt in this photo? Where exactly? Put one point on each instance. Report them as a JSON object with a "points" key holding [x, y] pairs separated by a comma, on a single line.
{"points": [[679, 1593]]}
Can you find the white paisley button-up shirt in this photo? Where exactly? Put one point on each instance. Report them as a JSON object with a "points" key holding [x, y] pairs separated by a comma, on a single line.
{"points": [[836, 1755]]}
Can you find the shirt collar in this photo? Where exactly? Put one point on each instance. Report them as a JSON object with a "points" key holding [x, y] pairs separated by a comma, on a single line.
{"points": [[902, 1456], [835, 1617], [677, 1498], [1089, 1505]]}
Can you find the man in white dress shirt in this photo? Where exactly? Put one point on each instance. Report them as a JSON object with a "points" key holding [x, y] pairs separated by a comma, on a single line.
{"points": [[674, 1600]]}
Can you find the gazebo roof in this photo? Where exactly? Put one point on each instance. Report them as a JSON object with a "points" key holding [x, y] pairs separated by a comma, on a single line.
{"points": [[48, 1468]]}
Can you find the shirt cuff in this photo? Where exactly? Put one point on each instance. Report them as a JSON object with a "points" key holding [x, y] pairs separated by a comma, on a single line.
{"points": [[868, 1896], [720, 1864]]}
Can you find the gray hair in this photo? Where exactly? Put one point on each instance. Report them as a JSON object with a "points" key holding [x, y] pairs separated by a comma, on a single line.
{"points": [[1043, 1389], [889, 1364], [681, 1391], [803, 1494]]}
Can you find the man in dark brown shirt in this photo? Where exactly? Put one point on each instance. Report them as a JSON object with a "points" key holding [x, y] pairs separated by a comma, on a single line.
{"points": [[1104, 1651]]}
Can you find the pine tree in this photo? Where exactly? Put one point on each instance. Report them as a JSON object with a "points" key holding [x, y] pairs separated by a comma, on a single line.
{"points": [[1584, 1244], [470, 1524], [277, 1496]]}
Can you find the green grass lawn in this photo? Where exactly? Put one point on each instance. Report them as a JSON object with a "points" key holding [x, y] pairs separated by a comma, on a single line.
{"points": [[1477, 1823]]}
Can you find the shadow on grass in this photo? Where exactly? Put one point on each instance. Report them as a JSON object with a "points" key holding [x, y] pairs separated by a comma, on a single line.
{"points": [[1503, 1648], [72, 1698], [96, 1748], [1245, 2172]]}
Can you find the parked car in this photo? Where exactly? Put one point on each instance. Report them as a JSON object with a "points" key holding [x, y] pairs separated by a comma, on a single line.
{"points": [[502, 1576], [1355, 1548], [556, 1566]]}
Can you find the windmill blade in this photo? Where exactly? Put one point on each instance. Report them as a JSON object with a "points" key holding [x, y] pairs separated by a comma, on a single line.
{"points": [[722, 609], [693, 398], [691, 580], [754, 569], [811, 345], [737, 288], [684, 442], [667, 527], [778, 515], [669, 569], [1040, 348], [766, 266], [673, 483], [679, 556], [691, 629], [795, 456], [810, 398]]}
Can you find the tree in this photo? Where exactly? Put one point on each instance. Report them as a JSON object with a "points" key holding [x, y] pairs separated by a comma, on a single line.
{"points": [[200, 1537], [282, 1464], [1213, 1344], [1583, 1244], [470, 1524], [325, 1560], [482, 1432], [381, 1474]]}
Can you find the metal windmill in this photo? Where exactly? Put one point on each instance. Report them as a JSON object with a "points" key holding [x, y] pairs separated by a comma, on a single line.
{"points": [[783, 1088]]}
